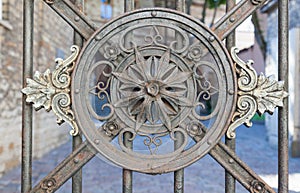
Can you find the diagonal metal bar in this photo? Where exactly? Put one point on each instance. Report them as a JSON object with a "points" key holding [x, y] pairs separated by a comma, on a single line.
{"points": [[85, 27], [66, 169], [72, 15], [238, 169], [235, 17]]}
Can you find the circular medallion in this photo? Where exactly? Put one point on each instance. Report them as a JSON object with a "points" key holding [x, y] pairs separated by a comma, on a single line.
{"points": [[155, 90]]}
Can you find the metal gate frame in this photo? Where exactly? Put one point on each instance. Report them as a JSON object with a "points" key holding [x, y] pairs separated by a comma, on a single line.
{"points": [[235, 168]]}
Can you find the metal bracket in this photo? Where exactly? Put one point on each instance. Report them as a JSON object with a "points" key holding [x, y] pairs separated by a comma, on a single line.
{"points": [[51, 90], [255, 94]]}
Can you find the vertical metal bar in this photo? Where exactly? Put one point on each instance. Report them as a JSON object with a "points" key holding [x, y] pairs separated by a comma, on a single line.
{"points": [[180, 5], [127, 174], [283, 70], [28, 14], [128, 5], [179, 174], [230, 183], [77, 140]]}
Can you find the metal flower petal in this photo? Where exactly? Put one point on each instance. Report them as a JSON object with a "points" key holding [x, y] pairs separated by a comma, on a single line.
{"points": [[154, 89]]}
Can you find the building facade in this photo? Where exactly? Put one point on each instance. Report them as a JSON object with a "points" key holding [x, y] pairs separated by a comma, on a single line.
{"points": [[294, 70]]}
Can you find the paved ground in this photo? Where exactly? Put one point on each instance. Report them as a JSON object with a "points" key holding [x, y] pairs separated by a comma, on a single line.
{"points": [[205, 176]]}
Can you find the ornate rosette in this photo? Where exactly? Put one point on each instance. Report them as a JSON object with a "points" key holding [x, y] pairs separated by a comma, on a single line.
{"points": [[153, 90]]}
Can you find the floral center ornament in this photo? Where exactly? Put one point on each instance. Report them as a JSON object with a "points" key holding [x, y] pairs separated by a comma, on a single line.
{"points": [[153, 89]]}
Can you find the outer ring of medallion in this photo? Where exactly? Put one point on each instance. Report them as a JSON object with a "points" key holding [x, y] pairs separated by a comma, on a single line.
{"points": [[156, 163]]}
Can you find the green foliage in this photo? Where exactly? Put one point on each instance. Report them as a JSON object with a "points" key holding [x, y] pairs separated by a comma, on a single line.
{"points": [[258, 118], [215, 3]]}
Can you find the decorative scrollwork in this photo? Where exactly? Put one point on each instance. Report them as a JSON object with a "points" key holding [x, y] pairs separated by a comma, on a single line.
{"points": [[256, 94], [51, 90], [154, 83], [207, 90], [153, 142]]}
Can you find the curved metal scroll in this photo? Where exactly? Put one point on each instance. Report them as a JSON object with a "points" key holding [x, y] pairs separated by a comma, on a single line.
{"points": [[255, 94], [51, 90]]}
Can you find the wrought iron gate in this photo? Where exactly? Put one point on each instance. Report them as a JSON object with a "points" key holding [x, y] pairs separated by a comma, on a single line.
{"points": [[148, 78]]}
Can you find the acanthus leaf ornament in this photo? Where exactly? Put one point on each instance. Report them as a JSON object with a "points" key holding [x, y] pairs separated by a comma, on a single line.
{"points": [[255, 94], [51, 90]]}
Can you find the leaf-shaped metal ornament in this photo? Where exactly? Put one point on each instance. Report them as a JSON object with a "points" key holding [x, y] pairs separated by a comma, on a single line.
{"points": [[269, 94], [255, 94], [40, 90], [51, 90]]}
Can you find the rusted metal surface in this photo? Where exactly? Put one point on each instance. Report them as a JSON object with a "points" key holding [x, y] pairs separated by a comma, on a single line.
{"points": [[127, 174], [77, 140], [239, 170], [28, 8], [179, 174], [230, 182], [65, 170], [283, 74], [72, 15], [235, 17], [156, 91]]}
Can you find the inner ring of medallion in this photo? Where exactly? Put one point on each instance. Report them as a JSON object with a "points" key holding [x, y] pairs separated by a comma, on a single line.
{"points": [[153, 90]]}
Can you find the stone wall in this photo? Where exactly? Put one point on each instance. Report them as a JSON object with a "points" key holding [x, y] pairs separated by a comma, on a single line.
{"points": [[52, 38]]}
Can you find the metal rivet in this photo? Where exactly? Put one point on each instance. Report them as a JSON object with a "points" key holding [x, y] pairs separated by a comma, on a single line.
{"points": [[232, 19], [231, 161], [97, 141], [231, 92], [258, 187], [97, 38], [76, 18], [77, 90], [209, 142], [153, 13], [211, 38], [76, 160], [50, 183]]}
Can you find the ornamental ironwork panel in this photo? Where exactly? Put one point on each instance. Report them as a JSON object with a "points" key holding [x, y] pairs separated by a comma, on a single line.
{"points": [[153, 77], [153, 91]]}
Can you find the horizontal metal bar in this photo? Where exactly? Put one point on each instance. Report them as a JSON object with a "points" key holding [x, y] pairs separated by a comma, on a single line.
{"points": [[235, 17], [66, 169], [71, 14], [238, 169]]}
